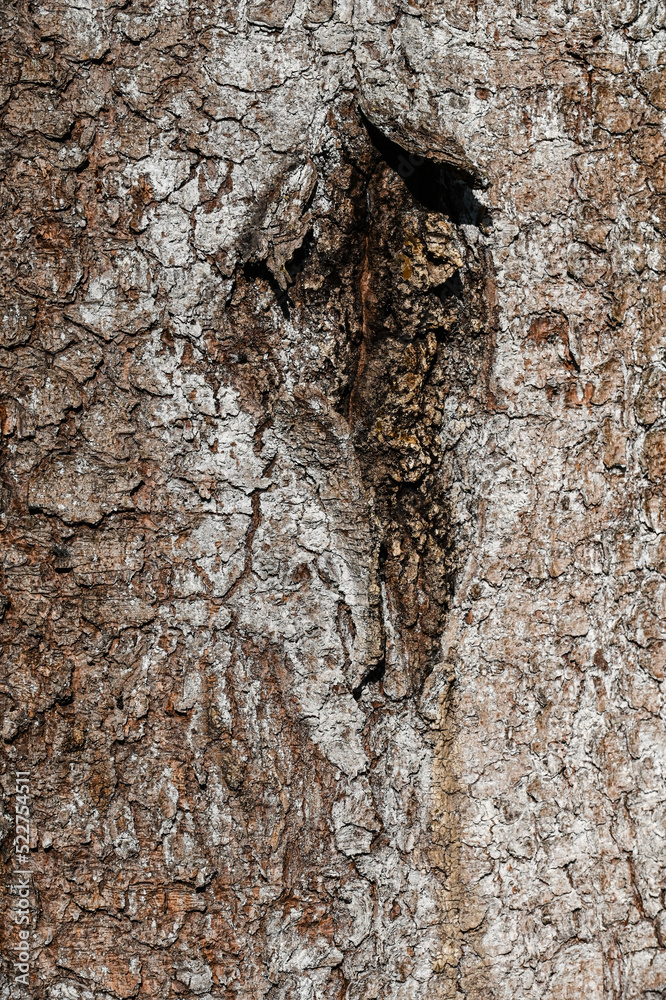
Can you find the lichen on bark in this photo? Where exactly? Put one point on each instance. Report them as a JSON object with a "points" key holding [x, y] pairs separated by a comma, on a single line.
{"points": [[331, 393]]}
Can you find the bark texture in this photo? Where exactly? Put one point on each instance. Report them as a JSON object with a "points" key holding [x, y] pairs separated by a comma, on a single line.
{"points": [[332, 376]]}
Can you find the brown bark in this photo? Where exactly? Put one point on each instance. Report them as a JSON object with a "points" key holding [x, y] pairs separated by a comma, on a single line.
{"points": [[332, 381]]}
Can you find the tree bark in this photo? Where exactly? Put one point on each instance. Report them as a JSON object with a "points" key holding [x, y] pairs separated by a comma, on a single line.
{"points": [[332, 351]]}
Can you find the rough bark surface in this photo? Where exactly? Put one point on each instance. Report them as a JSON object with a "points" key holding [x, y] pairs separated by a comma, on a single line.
{"points": [[332, 375]]}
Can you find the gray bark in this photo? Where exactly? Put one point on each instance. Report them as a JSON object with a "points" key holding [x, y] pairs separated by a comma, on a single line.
{"points": [[332, 381]]}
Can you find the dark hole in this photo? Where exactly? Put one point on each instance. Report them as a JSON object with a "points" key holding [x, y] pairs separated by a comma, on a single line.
{"points": [[437, 187], [451, 289], [120, 701], [283, 301], [260, 272], [299, 259], [372, 677]]}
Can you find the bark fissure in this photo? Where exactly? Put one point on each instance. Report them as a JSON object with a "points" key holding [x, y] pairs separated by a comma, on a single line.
{"points": [[332, 497]]}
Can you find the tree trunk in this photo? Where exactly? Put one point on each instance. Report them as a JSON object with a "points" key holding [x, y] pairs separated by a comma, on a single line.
{"points": [[333, 368]]}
